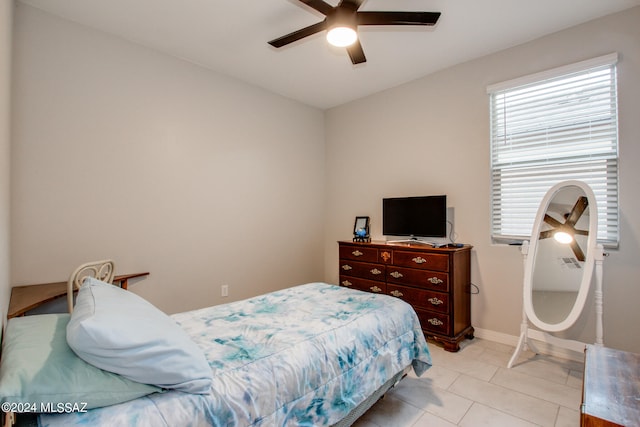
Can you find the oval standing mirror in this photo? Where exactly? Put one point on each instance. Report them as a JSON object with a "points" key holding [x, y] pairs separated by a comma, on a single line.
{"points": [[559, 266]]}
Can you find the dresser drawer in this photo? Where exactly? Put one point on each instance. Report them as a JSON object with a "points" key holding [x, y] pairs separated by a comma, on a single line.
{"points": [[434, 281], [359, 253], [436, 301], [363, 284], [366, 270], [438, 262], [437, 323], [422, 278]]}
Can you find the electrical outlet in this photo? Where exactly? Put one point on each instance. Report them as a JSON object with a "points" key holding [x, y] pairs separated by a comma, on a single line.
{"points": [[224, 290]]}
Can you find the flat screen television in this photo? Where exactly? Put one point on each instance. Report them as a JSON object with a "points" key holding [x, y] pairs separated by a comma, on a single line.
{"points": [[415, 216]]}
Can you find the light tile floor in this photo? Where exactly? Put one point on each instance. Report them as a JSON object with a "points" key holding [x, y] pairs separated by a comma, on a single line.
{"points": [[473, 387]]}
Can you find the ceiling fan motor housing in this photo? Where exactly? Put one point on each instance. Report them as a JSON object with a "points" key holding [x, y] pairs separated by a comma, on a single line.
{"points": [[344, 16]]}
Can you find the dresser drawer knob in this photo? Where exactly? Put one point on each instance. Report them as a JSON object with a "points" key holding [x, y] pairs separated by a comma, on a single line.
{"points": [[396, 274], [357, 253], [435, 280], [435, 301], [386, 256], [396, 293], [376, 272], [375, 289], [419, 260], [346, 283], [347, 267], [435, 322]]}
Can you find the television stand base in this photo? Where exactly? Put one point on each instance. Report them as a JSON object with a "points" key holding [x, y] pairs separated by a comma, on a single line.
{"points": [[414, 240]]}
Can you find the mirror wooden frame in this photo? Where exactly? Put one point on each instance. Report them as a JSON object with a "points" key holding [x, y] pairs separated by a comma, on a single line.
{"points": [[593, 262], [587, 268]]}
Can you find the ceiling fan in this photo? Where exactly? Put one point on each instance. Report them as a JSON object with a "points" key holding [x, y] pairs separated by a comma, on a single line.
{"points": [[344, 19], [565, 232]]}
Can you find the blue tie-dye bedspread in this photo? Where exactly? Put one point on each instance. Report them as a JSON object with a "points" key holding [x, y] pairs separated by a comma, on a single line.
{"points": [[303, 356]]}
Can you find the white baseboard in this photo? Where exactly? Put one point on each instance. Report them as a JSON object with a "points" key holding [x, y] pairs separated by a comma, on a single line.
{"points": [[499, 337], [576, 352]]}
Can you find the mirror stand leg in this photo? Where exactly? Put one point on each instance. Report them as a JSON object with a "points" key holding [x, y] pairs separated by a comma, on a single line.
{"points": [[531, 345], [598, 295], [524, 326], [519, 348], [523, 342]]}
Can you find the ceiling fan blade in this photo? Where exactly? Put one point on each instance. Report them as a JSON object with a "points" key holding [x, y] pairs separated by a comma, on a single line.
{"points": [[319, 5], [397, 18], [577, 251], [297, 35], [552, 221], [546, 234], [353, 4], [356, 53], [581, 232], [576, 212]]}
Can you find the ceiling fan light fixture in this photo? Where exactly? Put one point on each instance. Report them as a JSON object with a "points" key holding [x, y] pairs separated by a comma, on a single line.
{"points": [[342, 36], [563, 237]]}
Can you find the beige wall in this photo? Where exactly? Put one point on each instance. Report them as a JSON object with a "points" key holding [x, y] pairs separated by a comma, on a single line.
{"points": [[431, 136], [6, 11], [124, 152], [202, 180]]}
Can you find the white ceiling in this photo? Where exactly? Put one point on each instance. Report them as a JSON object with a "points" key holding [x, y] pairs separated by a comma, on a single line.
{"points": [[230, 37]]}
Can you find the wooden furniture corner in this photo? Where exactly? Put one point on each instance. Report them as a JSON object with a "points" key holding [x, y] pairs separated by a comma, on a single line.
{"points": [[28, 297], [611, 388]]}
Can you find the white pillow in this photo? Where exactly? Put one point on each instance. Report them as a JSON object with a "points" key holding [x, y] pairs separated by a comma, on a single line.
{"points": [[120, 332]]}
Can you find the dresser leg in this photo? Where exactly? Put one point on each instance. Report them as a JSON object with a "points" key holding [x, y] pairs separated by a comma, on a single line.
{"points": [[469, 335], [452, 347], [451, 344]]}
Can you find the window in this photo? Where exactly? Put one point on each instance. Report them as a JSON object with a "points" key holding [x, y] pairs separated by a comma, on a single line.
{"points": [[549, 127]]}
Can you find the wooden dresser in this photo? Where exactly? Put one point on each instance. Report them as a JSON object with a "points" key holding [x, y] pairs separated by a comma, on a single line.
{"points": [[611, 388], [435, 281]]}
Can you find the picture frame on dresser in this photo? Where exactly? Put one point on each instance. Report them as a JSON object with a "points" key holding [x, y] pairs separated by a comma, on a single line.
{"points": [[361, 229], [436, 282]]}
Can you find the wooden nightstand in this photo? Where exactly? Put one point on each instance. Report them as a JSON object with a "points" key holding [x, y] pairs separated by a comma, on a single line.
{"points": [[25, 298], [611, 388]]}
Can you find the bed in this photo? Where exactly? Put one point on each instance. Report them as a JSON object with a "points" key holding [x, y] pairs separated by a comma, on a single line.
{"points": [[311, 355]]}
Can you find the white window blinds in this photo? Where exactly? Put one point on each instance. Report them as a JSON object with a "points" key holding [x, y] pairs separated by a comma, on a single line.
{"points": [[549, 127]]}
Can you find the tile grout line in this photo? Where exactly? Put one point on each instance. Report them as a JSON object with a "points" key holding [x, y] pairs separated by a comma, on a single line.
{"points": [[555, 421], [466, 412], [508, 390], [495, 368], [536, 395]]}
